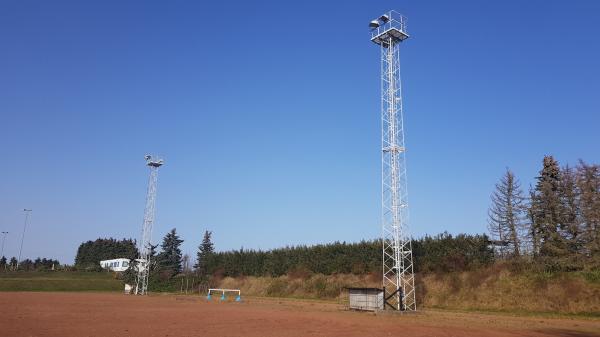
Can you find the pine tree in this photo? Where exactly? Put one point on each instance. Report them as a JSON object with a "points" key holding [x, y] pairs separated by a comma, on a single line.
{"points": [[170, 257], [588, 183], [13, 263], [153, 262], [90, 253], [548, 206], [506, 215], [205, 256], [130, 274], [533, 232]]}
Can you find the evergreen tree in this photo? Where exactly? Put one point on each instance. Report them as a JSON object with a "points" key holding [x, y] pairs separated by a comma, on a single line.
{"points": [[205, 256], [153, 257], [533, 232], [506, 215], [130, 274], [26, 264], [3, 263], [547, 205], [170, 257], [13, 263], [90, 253], [588, 183]]}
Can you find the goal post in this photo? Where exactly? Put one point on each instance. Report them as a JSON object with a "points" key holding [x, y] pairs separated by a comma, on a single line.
{"points": [[212, 291]]}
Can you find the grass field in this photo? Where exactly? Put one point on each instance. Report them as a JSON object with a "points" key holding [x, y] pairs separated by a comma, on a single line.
{"points": [[59, 281]]}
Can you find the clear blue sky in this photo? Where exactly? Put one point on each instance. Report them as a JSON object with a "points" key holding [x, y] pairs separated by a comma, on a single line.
{"points": [[268, 115]]}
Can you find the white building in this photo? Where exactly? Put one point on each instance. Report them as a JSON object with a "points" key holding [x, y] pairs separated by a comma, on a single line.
{"points": [[120, 264], [115, 264]]}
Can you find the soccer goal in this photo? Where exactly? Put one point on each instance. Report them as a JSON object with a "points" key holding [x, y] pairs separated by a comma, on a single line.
{"points": [[234, 292]]}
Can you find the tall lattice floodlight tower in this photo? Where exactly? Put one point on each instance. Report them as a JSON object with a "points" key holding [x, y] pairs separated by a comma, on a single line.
{"points": [[143, 265], [388, 31]]}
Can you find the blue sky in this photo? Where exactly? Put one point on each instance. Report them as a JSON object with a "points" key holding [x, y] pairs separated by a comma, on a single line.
{"points": [[267, 115]]}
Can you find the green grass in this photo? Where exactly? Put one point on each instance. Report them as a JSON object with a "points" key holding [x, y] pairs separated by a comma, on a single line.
{"points": [[59, 281], [592, 276]]}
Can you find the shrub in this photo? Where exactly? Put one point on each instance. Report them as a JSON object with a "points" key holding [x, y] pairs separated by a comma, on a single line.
{"points": [[277, 288]]}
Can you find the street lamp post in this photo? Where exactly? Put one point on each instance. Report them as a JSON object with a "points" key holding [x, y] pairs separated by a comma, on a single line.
{"points": [[3, 239], [27, 211]]}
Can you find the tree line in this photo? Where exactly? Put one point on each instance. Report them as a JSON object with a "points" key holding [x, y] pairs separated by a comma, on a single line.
{"points": [[39, 264], [442, 252], [556, 224]]}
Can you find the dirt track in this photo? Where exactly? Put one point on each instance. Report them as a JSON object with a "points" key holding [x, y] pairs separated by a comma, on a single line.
{"points": [[109, 314]]}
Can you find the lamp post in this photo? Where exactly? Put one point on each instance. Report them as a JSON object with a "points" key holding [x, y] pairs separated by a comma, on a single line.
{"points": [[3, 239], [2, 252], [27, 211]]}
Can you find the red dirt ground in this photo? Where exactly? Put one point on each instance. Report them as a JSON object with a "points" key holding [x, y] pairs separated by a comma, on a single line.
{"points": [[110, 314]]}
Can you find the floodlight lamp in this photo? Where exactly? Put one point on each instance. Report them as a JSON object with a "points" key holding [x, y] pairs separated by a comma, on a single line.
{"points": [[384, 18], [374, 24]]}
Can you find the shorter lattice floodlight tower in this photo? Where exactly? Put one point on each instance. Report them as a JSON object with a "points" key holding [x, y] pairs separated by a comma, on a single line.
{"points": [[145, 245], [388, 31]]}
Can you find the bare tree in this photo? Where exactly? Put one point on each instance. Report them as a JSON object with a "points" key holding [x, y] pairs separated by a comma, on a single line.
{"points": [[588, 183], [505, 215], [570, 223]]}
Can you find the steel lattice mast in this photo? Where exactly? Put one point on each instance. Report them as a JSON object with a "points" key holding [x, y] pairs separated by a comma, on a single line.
{"points": [[143, 265], [388, 31]]}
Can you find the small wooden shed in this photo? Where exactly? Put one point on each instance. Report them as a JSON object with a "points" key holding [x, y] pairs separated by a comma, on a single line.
{"points": [[370, 299]]}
